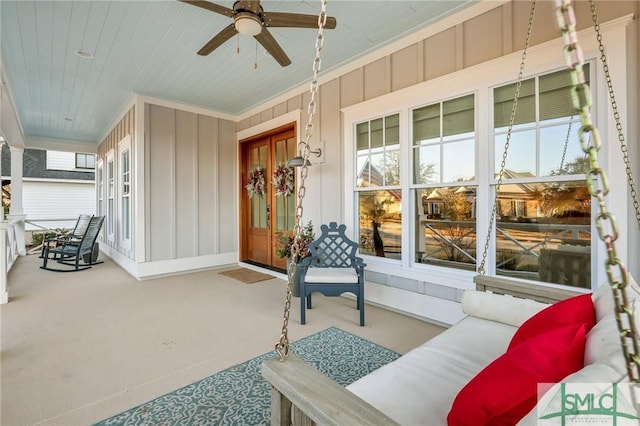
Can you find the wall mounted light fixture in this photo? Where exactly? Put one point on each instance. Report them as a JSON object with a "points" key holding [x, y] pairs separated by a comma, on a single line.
{"points": [[298, 161]]}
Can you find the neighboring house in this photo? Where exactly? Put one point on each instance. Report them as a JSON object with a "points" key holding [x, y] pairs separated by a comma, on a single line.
{"points": [[57, 187]]}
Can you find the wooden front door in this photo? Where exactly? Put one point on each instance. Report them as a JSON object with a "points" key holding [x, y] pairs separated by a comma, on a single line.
{"points": [[265, 215]]}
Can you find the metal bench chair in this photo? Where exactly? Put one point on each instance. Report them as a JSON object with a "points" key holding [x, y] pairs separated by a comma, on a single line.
{"points": [[73, 252], [332, 269]]}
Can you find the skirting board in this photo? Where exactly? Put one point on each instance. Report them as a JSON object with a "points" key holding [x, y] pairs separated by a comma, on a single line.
{"points": [[157, 269], [426, 308]]}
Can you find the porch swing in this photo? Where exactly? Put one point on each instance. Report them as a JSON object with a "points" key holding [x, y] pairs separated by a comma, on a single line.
{"points": [[447, 364]]}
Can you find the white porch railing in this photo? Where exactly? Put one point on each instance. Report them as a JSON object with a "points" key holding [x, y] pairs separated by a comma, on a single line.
{"points": [[11, 245]]}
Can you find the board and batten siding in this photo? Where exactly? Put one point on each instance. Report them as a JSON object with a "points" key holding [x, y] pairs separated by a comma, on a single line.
{"points": [[191, 184], [126, 126], [44, 200]]}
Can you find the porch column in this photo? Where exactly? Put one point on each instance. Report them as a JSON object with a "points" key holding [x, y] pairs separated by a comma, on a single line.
{"points": [[16, 212]]}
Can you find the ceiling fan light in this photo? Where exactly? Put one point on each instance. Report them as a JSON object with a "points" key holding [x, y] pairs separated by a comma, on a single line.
{"points": [[246, 23]]}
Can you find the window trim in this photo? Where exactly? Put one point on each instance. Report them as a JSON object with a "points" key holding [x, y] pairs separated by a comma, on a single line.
{"points": [[110, 216], [100, 187], [124, 243]]}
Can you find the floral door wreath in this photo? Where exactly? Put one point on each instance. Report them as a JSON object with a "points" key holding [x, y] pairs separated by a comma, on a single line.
{"points": [[283, 180], [256, 183]]}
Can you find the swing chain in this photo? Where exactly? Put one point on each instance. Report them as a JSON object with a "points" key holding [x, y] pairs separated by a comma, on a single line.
{"points": [[599, 187], [282, 346], [616, 114], [512, 119]]}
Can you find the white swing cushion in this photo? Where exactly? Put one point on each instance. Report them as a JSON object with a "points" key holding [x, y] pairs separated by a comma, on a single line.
{"points": [[603, 340], [331, 275], [481, 304]]}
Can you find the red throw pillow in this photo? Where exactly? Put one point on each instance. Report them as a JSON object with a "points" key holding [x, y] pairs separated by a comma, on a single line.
{"points": [[575, 310], [506, 390]]}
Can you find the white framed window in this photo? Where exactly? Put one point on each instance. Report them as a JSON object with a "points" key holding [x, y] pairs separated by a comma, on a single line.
{"points": [[543, 221], [111, 197], [544, 183], [124, 193], [542, 205]]}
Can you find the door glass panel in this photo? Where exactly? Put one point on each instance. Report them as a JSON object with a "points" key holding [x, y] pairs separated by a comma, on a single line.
{"points": [[258, 159], [284, 205]]}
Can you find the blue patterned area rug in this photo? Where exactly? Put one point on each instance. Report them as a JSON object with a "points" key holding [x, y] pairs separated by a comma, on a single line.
{"points": [[240, 396]]}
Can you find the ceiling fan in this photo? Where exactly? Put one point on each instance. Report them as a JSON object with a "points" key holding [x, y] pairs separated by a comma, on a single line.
{"points": [[249, 18]]}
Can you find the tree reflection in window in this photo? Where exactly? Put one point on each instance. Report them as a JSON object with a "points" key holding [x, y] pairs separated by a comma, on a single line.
{"points": [[380, 223]]}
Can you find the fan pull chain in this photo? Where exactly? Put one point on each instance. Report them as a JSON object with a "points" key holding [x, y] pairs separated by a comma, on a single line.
{"points": [[282, 346], [512, 119], [255, 63], [599, 187]]}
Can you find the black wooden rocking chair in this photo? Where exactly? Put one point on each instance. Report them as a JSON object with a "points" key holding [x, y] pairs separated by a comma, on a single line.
{"points": [[74, 235], [332, 269], [79, 254]]}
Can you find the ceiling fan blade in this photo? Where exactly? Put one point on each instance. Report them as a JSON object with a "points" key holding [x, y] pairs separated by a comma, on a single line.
{"points": [[210, 6], [217, 40], [295, 20], [268, 42]]}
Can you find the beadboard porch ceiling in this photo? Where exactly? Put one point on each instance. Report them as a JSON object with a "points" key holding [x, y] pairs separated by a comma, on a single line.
{"points": [[149, 47]]}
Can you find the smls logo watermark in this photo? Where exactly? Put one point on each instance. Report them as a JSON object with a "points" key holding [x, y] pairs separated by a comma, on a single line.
{"points": [[587, 404]]}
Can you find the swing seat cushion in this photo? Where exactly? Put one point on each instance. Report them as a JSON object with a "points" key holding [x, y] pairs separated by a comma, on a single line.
{"points": [[331, 275]]}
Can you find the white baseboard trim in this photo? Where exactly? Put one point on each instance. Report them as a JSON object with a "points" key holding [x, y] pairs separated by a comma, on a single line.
{"points": [[428, 308], [157, 269]]}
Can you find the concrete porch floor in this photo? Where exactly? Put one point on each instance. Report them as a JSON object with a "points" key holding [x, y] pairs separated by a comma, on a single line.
{"points": [[79, 347]]}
